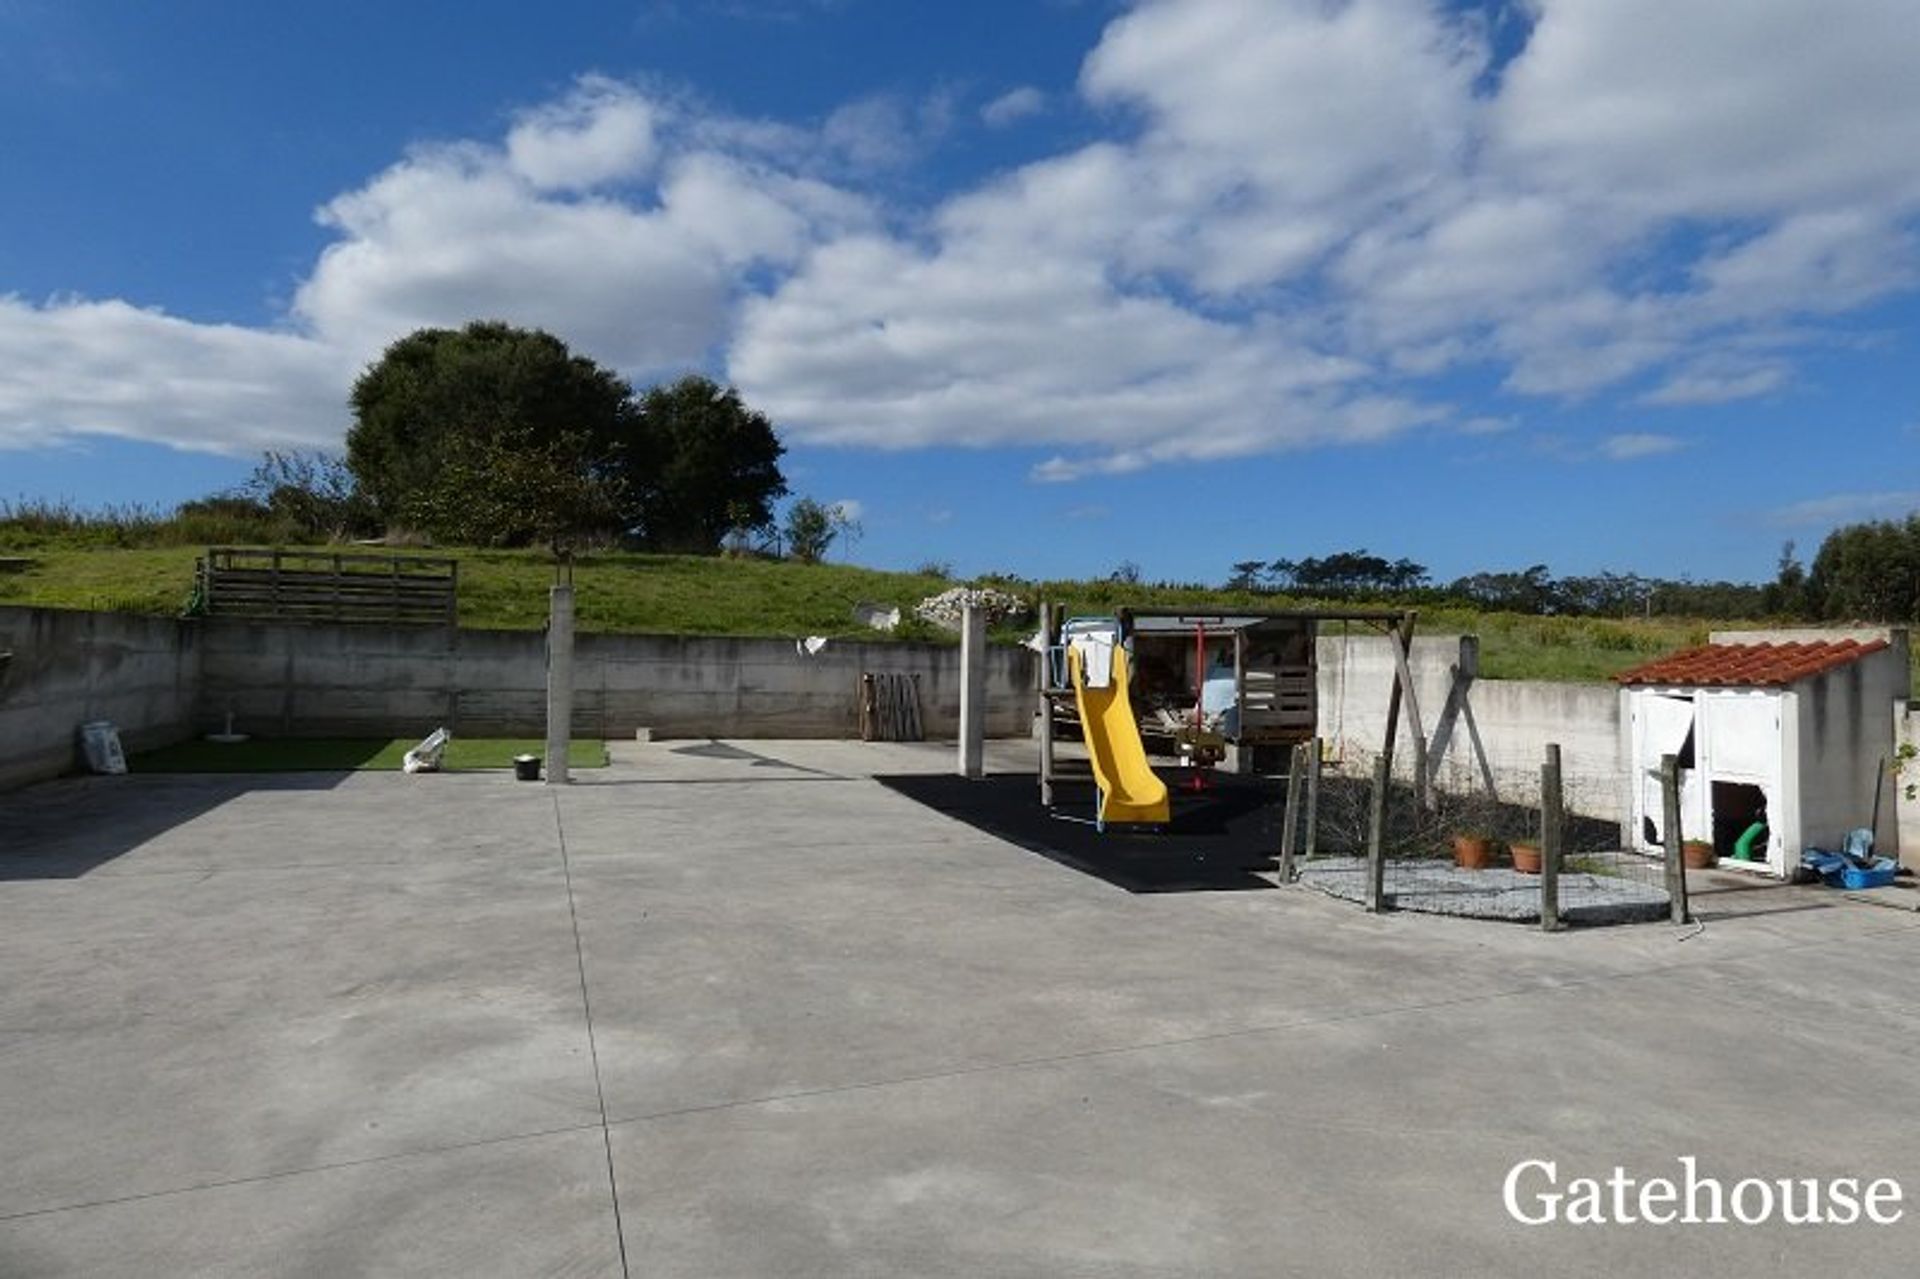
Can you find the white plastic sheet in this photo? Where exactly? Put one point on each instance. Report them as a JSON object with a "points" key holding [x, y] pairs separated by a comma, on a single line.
{"points": [[425, 758], [1096, 657]]}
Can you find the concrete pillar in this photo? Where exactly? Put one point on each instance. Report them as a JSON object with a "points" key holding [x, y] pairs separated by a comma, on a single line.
{"points": [[973, 693], [559, 681]]}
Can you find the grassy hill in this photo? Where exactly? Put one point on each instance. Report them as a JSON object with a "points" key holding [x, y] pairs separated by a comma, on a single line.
{"points": [[70, 561], [704, 595]]}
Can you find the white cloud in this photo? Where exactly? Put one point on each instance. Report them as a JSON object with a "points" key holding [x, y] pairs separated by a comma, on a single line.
{"points": [[1274, 125], [1823, 262], [617, 221], [450, 235], [107, 368], [601, 132], [1324, 205], [850, 509], [640, 279], [878, 344], [1300, 215], [873, 133], [1637, 444], [884, 131], [1013, 106], [1717, 382], [1062, 470], [1846, 508], [1760, 108], [1484, 425]]}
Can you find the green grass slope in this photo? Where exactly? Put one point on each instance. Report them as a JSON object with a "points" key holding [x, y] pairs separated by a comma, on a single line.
{"points": [[622, 592]]}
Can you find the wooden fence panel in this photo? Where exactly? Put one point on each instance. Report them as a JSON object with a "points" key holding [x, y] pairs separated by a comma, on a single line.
{"points": [[329, 586]]}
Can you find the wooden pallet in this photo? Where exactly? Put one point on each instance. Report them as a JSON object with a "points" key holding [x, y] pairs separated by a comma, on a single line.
{"points": [[890, 708]]}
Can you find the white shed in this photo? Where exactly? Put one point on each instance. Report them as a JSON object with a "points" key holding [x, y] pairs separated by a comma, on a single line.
{"points": [[1795, 729]]}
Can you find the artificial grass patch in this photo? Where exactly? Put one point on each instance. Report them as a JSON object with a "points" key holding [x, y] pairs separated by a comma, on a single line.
{"points": [[348, 754]]}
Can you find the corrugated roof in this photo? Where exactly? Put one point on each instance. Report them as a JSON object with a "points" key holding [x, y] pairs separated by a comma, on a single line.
{"points": [[1749, 665]]}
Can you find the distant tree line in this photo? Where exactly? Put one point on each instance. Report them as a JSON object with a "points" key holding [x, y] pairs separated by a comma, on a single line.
{"points": [[1864, 572]]}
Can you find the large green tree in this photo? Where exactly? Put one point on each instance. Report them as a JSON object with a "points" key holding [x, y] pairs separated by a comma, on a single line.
{"points": [[456, 431], [700, 465], [497, 435], [1868, 572]]}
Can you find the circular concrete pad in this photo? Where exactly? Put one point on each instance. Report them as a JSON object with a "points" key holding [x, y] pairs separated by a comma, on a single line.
{"points": [[1441, 888]]}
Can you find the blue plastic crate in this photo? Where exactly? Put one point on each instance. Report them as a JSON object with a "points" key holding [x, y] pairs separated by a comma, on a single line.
{"points": [[1878, 876], [1838, 872]]}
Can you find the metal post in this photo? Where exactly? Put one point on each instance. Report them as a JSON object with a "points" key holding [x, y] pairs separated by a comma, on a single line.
{"points": [[1676, 864], [559, 680], [1552, 822], [1376, 836], [973, 688], [1312, 841], [1046, 705], [1290, 820]]}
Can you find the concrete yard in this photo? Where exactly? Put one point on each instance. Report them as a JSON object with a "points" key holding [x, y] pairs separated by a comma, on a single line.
{"points": [[740, 1009]]}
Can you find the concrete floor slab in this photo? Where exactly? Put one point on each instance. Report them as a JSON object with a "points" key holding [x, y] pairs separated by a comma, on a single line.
{"points": [[793, 1023], [533, 1206], [286, 990], [1258, 1155]]}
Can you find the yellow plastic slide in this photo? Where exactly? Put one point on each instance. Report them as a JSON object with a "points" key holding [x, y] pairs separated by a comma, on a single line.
{"points": [[1129, 790]]}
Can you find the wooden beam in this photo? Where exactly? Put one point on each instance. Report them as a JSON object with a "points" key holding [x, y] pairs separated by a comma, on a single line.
{"points": [[1479, 751], [1290, 820], [1460, 706], [1402, 641], [1676, 863], [1313, 797], [1552, 832], [1376, 895]]}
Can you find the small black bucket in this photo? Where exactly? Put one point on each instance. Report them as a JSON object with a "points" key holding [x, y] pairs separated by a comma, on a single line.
{"points": [[526, 768]]}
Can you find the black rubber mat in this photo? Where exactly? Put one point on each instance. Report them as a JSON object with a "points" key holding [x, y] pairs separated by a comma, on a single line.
{"points": [[1218, 838]]}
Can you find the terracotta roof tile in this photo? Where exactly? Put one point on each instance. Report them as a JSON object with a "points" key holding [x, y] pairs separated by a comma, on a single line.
{"points": [[1749, 665]]}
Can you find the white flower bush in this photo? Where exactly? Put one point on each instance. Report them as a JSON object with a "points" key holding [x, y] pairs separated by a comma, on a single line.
{"points": [[948, 607]]}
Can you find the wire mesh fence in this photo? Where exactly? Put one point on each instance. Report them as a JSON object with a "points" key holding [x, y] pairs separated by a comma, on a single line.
{"points": [[1478, 851]]}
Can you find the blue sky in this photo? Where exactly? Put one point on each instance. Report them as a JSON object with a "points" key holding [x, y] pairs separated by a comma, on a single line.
{"points": [[1036, 287]]}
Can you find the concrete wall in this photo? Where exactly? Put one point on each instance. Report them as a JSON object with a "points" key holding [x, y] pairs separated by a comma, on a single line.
{"points": [[161, 680], [316, 681], [1516, 720], [69, 667], [1846, 734]]}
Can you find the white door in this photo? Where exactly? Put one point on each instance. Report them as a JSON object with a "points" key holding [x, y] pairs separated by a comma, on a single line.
{"points": [[1662, 723], [1742, 738], [1741, 742]]}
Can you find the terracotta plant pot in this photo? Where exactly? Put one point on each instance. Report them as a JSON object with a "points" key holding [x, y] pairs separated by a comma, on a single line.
{"points": [[1698, 854], [1472, 852], [1526, 856]]}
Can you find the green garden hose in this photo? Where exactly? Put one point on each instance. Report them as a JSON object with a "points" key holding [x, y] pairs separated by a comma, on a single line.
{"points": [[1743, 847]]}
